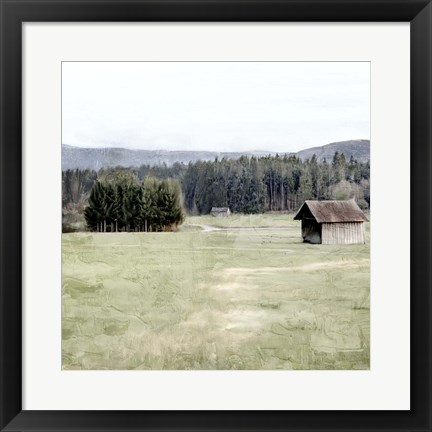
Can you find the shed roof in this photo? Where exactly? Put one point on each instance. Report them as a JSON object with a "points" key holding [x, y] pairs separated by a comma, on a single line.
{"points": [[332, 211]]}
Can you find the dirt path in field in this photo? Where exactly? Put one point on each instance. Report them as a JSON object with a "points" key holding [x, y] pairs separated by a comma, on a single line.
{"points": [[236, 272], [210, 228]]}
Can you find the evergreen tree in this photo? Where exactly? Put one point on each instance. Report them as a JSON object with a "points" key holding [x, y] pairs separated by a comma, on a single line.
{"points": [[96, 212]]}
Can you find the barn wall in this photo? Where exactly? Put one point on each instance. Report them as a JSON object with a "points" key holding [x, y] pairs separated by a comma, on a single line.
{"points": [[343, 233], [220, 214]]}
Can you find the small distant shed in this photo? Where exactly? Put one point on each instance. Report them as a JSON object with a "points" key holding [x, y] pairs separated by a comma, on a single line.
{"points": [[220, 211], [332, 222]]}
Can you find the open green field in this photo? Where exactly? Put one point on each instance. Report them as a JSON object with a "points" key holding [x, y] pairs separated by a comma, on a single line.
{"points": [[222, 293]]}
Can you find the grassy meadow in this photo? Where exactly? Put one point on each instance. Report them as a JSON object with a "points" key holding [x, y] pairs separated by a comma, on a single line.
{"points": [[242, 292]]}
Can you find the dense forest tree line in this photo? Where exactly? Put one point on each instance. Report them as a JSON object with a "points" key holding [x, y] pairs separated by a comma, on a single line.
{"points": [[124, 204], [254, 185], [76, 185], [245, 185]]}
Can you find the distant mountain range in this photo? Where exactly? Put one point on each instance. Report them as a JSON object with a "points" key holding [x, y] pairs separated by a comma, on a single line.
{"points": [[96, 158], [358, 149]]}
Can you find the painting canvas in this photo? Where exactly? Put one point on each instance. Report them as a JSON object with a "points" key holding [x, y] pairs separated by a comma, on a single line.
{"points": [[215, 215]]}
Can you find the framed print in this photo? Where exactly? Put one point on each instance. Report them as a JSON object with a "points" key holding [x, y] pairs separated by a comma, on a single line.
{"points": [[215, 216], [223, 215]]}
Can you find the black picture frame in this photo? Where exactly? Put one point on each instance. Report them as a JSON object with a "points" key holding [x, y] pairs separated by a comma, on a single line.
{"points": [[15, 12]]}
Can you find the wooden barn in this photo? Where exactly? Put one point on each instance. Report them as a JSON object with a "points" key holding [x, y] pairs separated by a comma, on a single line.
{"points": [[220, 211], [332, 222]]}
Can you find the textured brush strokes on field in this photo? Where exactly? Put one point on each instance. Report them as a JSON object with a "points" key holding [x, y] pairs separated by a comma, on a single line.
{"points": [[222, 293]]}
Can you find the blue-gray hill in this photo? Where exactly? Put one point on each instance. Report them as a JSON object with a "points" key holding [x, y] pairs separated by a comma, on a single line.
{"points": [[359, 149]]}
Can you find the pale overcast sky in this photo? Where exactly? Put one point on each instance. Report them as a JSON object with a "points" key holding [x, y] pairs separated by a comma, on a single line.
{"points": [[276, 106]]}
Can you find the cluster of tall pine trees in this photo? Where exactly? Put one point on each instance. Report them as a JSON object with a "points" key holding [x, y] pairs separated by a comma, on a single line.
{"points": [[122, 204]]}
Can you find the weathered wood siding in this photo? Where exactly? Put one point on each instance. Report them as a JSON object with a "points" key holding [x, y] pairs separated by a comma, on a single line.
{"points": [[343, 233], [311, 231]]}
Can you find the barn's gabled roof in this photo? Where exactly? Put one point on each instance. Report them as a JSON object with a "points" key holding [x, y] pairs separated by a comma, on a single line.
{"points": [[332, 211]]}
